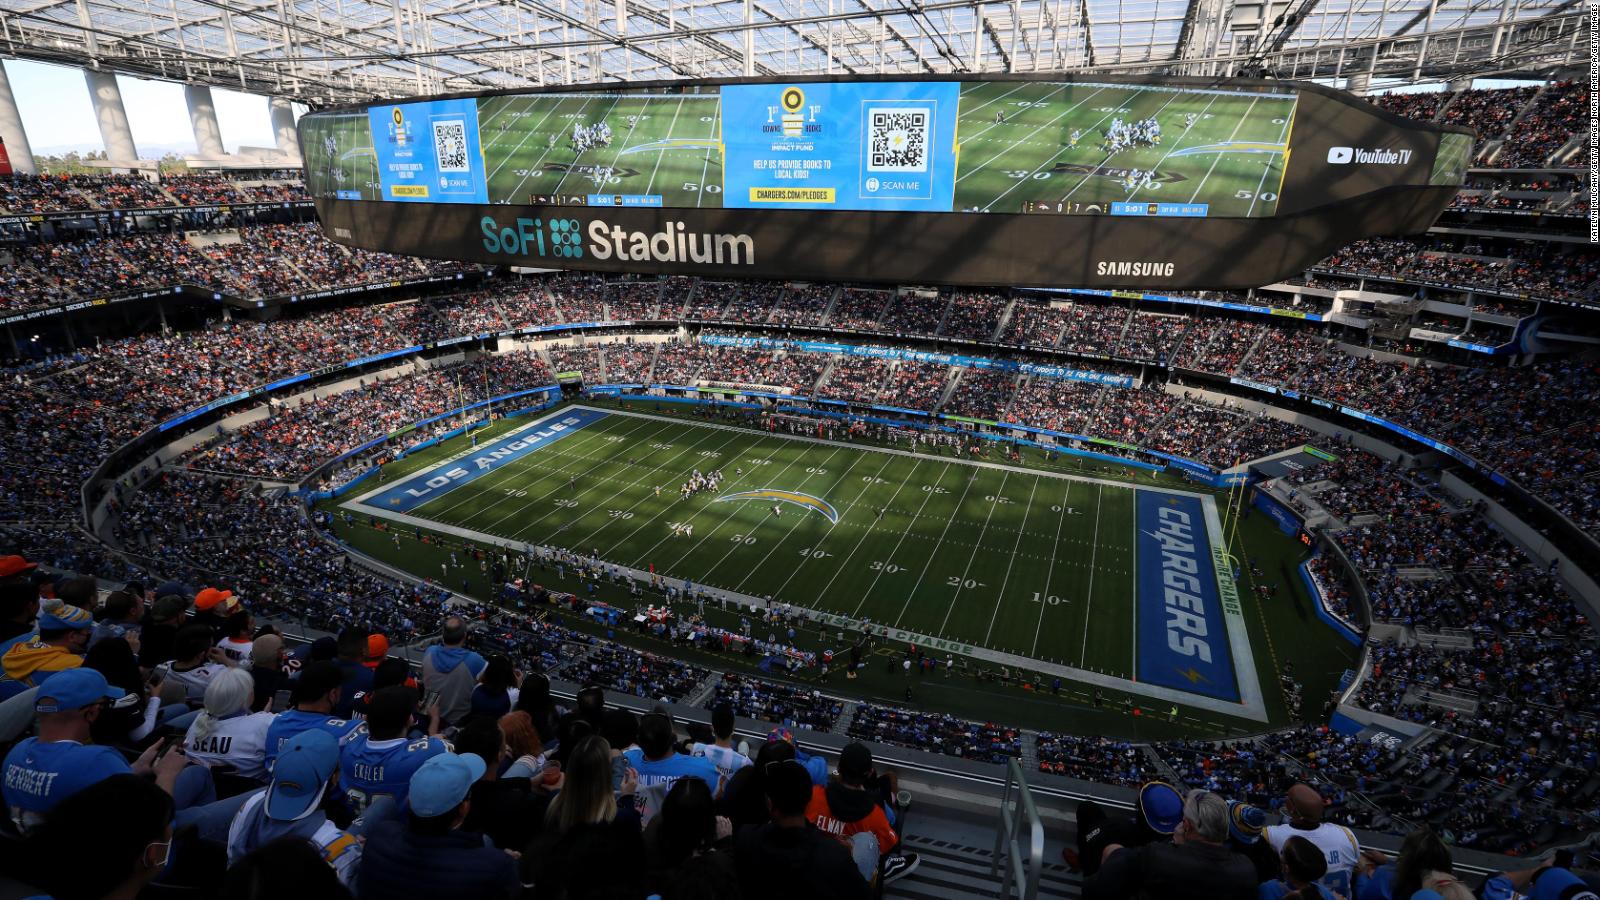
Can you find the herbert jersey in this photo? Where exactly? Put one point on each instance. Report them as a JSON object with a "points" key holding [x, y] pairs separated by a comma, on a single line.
{"points": [[38, 776]]}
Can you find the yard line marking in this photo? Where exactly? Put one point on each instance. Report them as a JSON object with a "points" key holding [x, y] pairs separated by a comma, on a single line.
{"points": [[865, 486], [577, 159], [973, 479], [1130, 482], [1094, 547], [976, 546], [491, 483], [678, 110], [498, 480], [530, 133], [595, 533], [754, 471], [1053, 157], [1064, 113], [1085, 180], [716, 117], [896, 549], [534, 168], [734, 510], [1231, 135], [1049, 575], [614, 494], [869, 530], [1176, 144], [1001, 594], [1283, 135], [792, 528], [993, 125]]}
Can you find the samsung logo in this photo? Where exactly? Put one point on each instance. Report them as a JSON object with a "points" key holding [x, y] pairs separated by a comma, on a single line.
{"points": [[1382, 156], [1137, 269]]}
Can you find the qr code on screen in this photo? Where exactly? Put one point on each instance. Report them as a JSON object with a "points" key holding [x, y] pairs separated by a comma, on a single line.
{"points": [[450, 145], [897, 140]]}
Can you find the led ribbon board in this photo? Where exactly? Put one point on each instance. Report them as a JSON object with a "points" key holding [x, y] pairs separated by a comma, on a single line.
{"points": [[1096, 181]]}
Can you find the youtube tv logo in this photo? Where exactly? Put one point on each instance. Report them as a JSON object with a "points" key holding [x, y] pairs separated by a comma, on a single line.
{"points": [[1338, 156]]}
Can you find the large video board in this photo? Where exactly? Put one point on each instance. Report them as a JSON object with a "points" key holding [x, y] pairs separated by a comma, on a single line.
{"points": [[750, 158]]}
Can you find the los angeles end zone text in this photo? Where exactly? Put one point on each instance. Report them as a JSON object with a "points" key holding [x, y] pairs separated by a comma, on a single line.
{"points": [[1095, 581]]}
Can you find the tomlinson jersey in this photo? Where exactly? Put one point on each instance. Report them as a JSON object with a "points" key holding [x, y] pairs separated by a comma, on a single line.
{"points": [[370, 769], [293, 722], [674, 767]]}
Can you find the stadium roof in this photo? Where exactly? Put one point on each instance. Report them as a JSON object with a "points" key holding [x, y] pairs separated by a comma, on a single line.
{"points": [[326, 51]]}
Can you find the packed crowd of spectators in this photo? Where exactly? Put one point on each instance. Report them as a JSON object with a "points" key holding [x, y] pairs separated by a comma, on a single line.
{"points": [[935, 733], [297, 438], [915, 312], [915, 385], [265, 260], [783, 704], [1097, 759], [859, 309], [854, 378], [974, 316]]}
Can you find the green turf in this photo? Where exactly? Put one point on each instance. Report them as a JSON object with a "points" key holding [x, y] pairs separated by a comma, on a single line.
{"points": [[1028, 157], [354, 164], [1287, 623], [666, 145], [962, 553]]}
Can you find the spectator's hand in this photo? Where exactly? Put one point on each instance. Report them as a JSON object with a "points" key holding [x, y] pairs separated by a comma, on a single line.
{"points": [[171, 763], [132, 637], [216, 655], [630, 782], [145, 764], [724, 828]]}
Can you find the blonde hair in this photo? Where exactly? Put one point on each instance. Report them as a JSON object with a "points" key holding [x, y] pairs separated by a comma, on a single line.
{"points": [[229, 692], [586, 797]]}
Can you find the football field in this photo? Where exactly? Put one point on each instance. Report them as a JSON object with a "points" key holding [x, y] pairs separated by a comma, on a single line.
{"points": [[1003, 564], [665, 145], [340, 157], [1017, 146]]}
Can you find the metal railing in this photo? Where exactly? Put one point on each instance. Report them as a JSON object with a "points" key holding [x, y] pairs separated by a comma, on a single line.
{"points": [[1018, 866]]}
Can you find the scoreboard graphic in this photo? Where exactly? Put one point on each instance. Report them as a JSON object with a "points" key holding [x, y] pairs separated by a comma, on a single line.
{"points": [[925, 146], [1152, 182]]}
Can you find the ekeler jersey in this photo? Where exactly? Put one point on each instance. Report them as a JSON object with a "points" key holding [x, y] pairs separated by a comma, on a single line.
{"points": [[40, 775], [1337, 844], [369, 769], [293, 722]]}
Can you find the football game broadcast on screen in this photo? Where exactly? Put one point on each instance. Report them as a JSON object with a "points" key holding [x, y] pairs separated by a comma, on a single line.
{"points": [[737, 177]]}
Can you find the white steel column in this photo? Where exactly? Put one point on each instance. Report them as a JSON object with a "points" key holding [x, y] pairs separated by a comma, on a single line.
{"points": [[283, 126], [12, 132], [106, 96], [203, 119]]}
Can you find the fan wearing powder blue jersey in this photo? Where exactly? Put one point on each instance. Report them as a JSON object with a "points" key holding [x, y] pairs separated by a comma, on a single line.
{"points": [[314, 696], [381, 762]]}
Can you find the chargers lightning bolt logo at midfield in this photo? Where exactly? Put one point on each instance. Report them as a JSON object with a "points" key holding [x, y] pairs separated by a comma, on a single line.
{"points": [[794, 497]]}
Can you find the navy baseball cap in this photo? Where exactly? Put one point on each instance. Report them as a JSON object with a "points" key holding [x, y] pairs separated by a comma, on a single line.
{"points": [[443, 782], [1162, 806], [74, 689], [300, 775], [1245, 822]]}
